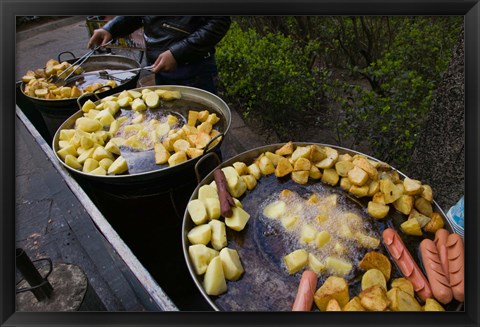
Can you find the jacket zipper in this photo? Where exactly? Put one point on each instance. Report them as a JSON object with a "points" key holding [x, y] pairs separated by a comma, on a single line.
{"points": [[175, 28]]}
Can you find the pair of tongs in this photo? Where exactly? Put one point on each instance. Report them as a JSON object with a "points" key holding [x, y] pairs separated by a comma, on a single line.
{"points": [[107, 75], [59, 81]]}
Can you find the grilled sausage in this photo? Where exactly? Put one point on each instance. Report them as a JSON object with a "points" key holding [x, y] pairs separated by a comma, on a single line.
{"points": [[456, 265], [306, 290], [437, 277], [406, 264], [440, 241], [226, 200]]}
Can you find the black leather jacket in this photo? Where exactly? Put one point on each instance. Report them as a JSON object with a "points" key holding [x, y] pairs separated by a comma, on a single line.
{"points": [[189, 38]]}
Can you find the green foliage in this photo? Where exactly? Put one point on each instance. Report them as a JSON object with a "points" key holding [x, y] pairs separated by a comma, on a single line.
{"points": [[266, 75], [390, 116], [379, 74]]}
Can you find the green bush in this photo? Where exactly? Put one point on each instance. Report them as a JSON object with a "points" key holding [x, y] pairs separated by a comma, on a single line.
{"points": [[266, 76], [391, 116]]}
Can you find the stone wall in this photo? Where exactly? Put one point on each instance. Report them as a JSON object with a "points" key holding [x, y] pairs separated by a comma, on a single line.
{"points": [[439, 156]]}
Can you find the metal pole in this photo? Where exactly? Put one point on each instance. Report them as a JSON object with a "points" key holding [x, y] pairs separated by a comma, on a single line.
{"points": [[39, 285]]}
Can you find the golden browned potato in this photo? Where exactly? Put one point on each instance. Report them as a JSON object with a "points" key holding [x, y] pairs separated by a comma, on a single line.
{"points": [[412, 186], [333, 288], [403, 284], [411, 227], [402, 301], [330, 176], [284, 167], [404, 204], [354, 305], [343, 167], [266, 165], [378, 261], [285, 150], [300, 177], [432, 305], [366, 166], [421, 218], [436, 222], [377, 210], [374, 298], [274, 157], [315, 172], [390, 190], [424, 206], [302, 164], [373, 277], [357, 176], [333, 305], [317, 153]]}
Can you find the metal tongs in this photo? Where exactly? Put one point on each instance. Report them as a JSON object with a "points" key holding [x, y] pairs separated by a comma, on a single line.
{"points": [[106, 75], [59, 81]]}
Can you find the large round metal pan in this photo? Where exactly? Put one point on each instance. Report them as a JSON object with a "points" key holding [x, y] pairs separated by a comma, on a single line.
{"points": [[203, 99], [94, 63], [265, 284]]}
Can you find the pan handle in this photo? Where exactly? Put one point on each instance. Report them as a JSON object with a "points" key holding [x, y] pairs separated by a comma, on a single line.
{"points": [[200, 162], [61, 53], [207, 147], [84, 97]]}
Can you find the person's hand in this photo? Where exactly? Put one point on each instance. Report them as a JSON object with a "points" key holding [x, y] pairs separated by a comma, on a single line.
{"points": [[99, 37], [165, 62]]}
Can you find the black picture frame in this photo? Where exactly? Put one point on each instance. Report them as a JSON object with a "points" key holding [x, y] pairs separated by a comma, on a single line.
{"points": [[471, 11]]}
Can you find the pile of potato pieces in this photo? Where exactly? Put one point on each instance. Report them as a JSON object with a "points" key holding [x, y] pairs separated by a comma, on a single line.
{"points": [[37, 84], [361, 177], [189, 141], [329, 166], [208, 251], [92, 146], [334, 293]]}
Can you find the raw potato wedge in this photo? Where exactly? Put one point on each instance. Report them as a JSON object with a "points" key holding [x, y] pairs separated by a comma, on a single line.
{"points": [[232, 267], [238, 220], [198, 212], [219, 234], [201, 234], [201, 256], [214, 281]]}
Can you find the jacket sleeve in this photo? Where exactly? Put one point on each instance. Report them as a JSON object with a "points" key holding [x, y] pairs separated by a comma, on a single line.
{"points": [[202, 41], [121, 26]]}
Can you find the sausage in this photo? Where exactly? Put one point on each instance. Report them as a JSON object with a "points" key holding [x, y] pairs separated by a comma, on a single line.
{"points": [[226, 200], [456, 265], [437, 277], [406, 264], [440, 241], [306, 290]]}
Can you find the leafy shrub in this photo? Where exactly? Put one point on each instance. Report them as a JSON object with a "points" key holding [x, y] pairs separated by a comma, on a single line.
{"points": [[266, 76], [390, 117]]}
